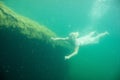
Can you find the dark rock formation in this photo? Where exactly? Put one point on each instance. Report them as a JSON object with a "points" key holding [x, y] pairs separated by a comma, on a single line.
{"points": [[26, 50]]}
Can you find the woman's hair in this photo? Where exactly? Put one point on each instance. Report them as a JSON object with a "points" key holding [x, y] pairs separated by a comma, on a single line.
{"points": [[73, 35]]}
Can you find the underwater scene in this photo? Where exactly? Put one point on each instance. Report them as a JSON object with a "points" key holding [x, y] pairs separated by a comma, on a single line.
{"points": [[59, 39]]}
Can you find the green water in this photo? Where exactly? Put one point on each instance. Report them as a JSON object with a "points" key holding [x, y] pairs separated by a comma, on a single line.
{"points": [[94, 62]]}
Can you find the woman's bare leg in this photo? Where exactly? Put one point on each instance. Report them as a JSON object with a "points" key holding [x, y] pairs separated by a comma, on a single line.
{"points": [[101, 35]]}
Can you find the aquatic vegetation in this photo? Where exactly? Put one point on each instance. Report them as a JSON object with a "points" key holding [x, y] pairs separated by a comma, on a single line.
{"points": [[31, 29], [10, 19]]}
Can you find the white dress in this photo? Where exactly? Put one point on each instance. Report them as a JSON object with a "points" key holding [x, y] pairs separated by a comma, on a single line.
{"points": [[85, 40], [90, 38]]}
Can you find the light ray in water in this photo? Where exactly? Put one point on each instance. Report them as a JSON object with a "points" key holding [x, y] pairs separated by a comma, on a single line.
{"points": [[99, 8]]}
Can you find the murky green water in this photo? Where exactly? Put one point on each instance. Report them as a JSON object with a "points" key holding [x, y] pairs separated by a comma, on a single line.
{"points": [[94, 62]]}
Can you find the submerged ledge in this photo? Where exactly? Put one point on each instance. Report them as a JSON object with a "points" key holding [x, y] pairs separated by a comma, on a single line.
{"points": [[25, 26], [29, 28], [27, 51]]}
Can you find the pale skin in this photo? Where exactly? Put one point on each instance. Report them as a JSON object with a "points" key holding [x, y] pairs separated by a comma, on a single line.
{"points": [[76, 49], [80, 41]]}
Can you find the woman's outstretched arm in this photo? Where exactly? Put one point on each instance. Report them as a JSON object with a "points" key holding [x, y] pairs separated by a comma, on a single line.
{"points": [[72, 54], [66, 38]]}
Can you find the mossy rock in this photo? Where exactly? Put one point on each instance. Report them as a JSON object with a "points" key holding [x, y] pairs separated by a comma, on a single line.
{"points": [[27, 51]]}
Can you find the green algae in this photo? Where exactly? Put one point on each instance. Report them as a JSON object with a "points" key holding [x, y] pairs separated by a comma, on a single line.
{"points": [[29, 28]]}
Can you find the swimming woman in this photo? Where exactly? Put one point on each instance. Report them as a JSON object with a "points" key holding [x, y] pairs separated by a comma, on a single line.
{"points": [[90, 38]]}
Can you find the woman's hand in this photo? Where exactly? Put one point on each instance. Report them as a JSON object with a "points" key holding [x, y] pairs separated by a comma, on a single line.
{"points": [[67, 57]]}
